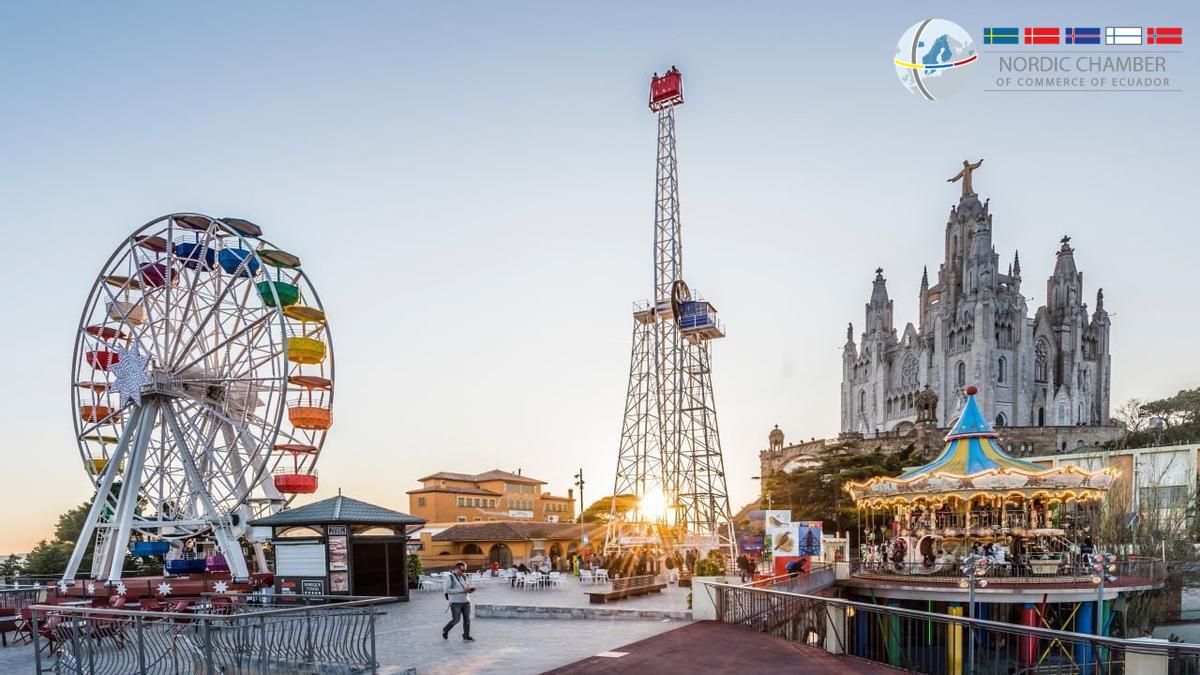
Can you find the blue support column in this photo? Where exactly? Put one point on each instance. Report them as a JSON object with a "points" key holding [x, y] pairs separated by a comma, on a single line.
{"points": [[1084, 623], [860, 634]]}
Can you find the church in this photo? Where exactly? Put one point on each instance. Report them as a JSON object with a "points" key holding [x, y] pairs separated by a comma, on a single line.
{"points": [[1048, 369]]}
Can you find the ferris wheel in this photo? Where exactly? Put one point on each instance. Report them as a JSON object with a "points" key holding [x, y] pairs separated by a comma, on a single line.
{"points": [[201, 389]]}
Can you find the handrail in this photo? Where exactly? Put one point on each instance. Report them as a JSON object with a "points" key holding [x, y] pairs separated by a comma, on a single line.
{"points": [[109, 612], [1128, 645]]}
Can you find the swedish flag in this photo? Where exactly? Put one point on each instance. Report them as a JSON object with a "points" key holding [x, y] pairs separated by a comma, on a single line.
{"points": [[1001, 36]]}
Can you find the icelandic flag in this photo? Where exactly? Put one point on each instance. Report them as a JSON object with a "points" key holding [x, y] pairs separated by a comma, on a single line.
{"points": [[1041, 36], [1081, 36], [1123, 35], [1164, 36], [1001, 36]]}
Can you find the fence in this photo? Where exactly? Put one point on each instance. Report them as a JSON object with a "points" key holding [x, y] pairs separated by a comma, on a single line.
{"points": [[942, 644], [225, 634], [1132, 570]]}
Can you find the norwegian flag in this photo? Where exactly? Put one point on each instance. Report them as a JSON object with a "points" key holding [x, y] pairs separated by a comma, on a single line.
{"points": [[1164, 36], [1041, 36]]}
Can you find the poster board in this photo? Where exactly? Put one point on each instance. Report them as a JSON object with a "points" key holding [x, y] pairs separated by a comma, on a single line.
{"points": [[808, 538]]}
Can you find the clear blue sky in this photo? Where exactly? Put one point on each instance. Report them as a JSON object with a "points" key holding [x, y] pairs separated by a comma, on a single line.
{"points": [[470, 187]]}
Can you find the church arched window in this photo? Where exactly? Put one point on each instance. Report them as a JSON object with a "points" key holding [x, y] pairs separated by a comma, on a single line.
{"points": [[1002, 366], [862, 403], [1041, 368], [961, 380], [1001, 421], [1062, 415]]}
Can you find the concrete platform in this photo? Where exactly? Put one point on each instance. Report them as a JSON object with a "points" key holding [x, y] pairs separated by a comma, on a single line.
{"points": [[571, 602], [711, 647]]}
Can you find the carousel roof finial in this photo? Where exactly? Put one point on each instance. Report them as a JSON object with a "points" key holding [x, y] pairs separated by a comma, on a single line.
{"points": [[971, 423]]}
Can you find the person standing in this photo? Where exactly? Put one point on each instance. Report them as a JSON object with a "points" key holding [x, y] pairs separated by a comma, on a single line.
{"points": [[458, 591]]}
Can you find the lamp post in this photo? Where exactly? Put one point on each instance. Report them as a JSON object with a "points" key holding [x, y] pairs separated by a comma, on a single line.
{"points": [[973, 567], [1103, 564], [579, 484]]}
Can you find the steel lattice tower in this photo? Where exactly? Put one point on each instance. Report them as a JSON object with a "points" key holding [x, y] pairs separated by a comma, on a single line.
{"points": [[670, 449]]}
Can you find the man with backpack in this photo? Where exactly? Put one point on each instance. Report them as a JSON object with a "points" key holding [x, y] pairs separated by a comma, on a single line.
{"points": [[458, 591]]}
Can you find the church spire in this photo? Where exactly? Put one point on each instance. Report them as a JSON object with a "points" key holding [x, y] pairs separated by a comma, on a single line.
{"points": [[879, 310], [1016, 266]]}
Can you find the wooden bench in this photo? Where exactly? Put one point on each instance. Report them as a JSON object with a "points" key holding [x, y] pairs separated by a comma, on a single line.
{"points": [[625, 587]]}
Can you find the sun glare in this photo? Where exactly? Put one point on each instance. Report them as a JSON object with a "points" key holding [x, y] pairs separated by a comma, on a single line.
{"points": [[653, 505]]}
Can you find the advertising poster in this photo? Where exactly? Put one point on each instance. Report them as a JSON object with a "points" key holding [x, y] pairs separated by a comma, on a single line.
{"points": [[778, 531], [808, 537], [339, 582], [337, 554]]}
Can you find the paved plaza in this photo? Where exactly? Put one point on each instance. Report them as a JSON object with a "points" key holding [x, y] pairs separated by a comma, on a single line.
{"points": [[409, 634]]}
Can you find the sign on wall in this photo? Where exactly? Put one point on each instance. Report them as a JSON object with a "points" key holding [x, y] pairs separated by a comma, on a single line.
{"points": [[808, 537]]}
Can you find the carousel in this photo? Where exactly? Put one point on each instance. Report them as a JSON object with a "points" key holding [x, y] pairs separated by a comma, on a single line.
{"points": [[974, 499]]}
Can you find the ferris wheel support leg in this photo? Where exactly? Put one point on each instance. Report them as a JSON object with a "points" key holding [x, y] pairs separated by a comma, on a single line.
{"points": [[221, 526], [113, 554], [108, 477]]}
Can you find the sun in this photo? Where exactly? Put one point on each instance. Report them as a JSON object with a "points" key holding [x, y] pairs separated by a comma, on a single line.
{"points": [[653, 505]]}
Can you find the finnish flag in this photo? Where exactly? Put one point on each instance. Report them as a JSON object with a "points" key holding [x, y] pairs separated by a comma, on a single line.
{"points": [[1123, 35]]}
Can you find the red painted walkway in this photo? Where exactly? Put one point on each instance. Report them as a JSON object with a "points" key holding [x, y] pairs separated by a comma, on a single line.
{"points": [[711, 647]]}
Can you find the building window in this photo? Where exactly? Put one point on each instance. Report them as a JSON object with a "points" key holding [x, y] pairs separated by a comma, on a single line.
{"points": [[961, 379], [1062, 415], [491, 503], [472, 549], [461, 519], [462, 501], [420, 501], [1001, 421], [1002, 365], [477, 501], [862, 403], [1041, 417], [1041, 369]]}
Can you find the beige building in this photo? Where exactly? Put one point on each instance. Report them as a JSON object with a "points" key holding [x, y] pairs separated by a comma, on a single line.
{"points": [[1158, 481], [448, 497], [507, 543]]}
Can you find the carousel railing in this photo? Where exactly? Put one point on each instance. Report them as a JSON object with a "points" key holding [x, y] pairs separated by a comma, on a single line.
{"points": [[1050, 568], [928, 642], [275, 633], [977, 519]]}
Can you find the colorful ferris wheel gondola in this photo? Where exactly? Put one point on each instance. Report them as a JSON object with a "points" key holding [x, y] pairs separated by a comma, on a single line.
{"points": [[184, 362]]}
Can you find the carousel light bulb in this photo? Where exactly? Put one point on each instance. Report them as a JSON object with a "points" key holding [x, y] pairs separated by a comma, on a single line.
{"points": [[1095, 579], [1112, 568], [962, 583], [983, 583]]}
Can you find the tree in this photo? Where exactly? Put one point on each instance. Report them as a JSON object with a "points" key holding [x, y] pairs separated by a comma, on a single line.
{"points": [[601, 509], [11, 567], [815, 489], [1174, 419], [70, 524], [48, 558]]}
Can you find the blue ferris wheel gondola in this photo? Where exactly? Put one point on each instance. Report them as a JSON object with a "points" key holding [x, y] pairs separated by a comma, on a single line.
{"points": [[231, 260]]}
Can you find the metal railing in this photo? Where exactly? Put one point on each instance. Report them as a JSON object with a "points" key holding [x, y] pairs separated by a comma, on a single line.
{"points": [[1059, 570], [820, 575], [938, 644], [225, 634]]}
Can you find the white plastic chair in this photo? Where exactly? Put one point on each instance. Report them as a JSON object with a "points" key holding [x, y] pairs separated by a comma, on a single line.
{"points": [[602, 576], [587, 577]]}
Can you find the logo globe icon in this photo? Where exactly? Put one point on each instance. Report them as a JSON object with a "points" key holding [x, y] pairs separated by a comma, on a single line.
{"points": [[935, 58]]}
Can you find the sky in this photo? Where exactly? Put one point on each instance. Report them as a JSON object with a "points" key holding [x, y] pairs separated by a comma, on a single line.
{"points": [[470, 186]]}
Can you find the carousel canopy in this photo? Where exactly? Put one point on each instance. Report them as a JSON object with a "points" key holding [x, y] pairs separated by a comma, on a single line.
{"points": [[972, 463]]}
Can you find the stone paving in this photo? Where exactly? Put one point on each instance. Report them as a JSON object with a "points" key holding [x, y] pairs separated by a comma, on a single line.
{"points": [[409, 634]]}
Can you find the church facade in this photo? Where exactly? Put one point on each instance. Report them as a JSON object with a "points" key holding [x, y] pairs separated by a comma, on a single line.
{"points": [[1048, 368]]}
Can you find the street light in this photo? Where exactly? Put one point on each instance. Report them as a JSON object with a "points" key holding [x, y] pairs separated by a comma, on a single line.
{"points": [[1103, 564], [579, 484], [973, 567]]}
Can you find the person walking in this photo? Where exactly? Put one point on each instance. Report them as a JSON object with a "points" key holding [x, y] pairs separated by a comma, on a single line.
{"points": [[743, 564], [458, 591]]}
